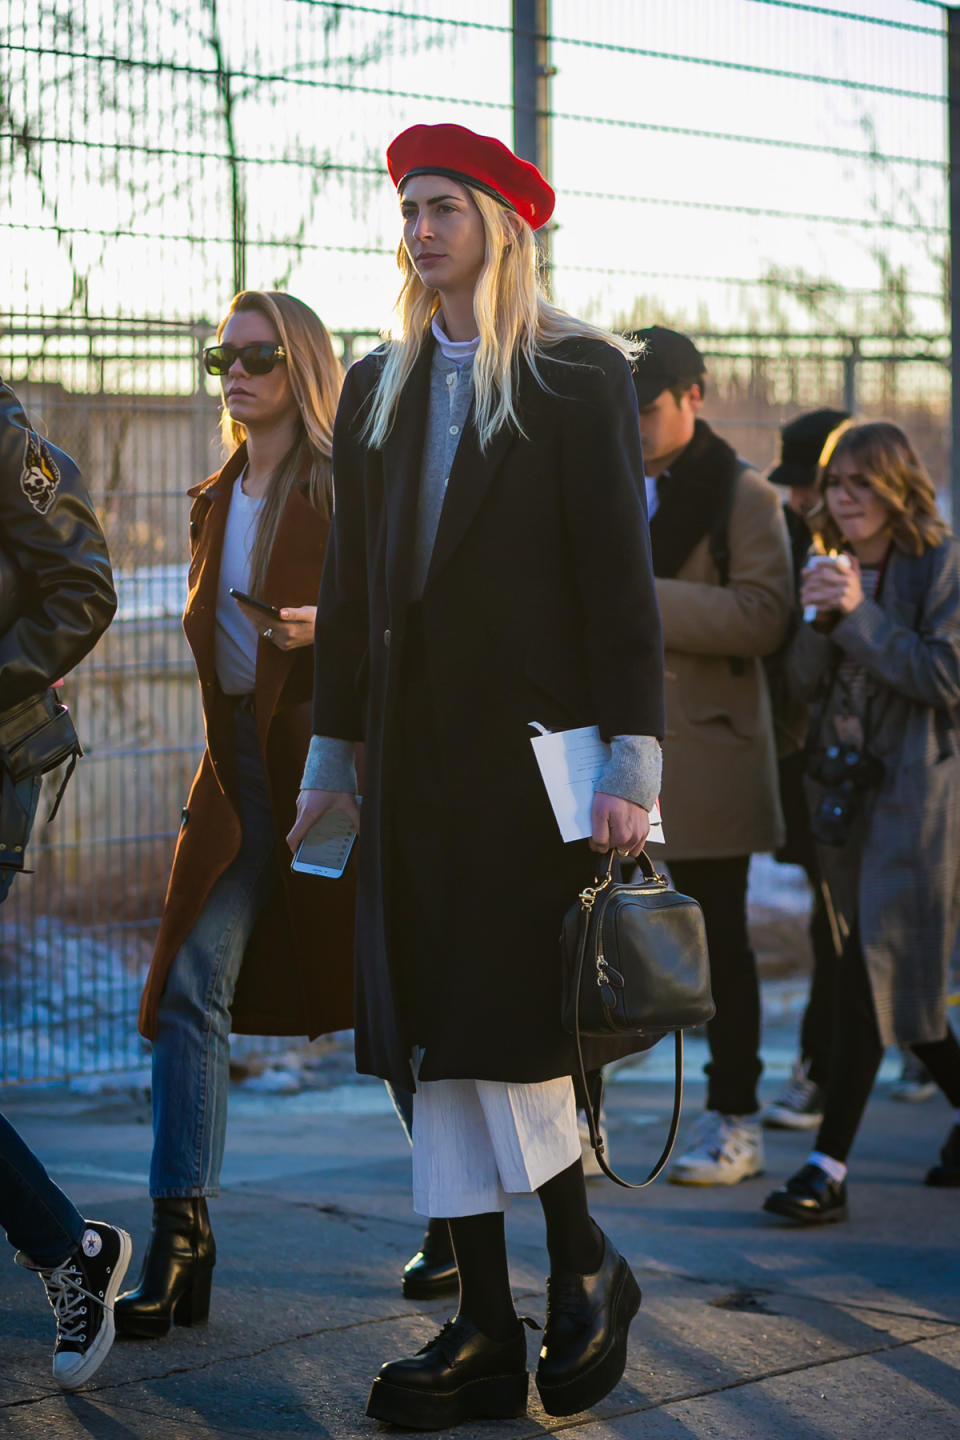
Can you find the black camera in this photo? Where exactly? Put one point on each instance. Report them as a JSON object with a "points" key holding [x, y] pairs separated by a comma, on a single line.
{"points": [[845, 772]]}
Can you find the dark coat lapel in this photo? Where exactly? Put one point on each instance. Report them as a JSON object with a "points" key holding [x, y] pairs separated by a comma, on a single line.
{"points": [[291, 575], [209, 516], [402, 460]]}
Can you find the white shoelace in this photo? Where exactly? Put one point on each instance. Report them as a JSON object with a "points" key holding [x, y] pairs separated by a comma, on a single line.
{"points": [[65, 1293]]}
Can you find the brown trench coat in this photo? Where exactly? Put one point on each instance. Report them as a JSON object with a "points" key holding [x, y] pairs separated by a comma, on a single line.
{"points": [[297, 971], [719, 795]]}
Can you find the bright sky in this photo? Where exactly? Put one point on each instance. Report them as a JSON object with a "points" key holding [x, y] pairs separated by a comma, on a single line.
{"points": [[655, 213]]}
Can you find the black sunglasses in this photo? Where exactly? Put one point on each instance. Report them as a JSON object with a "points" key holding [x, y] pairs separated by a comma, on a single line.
{"points": [[258, 359]]}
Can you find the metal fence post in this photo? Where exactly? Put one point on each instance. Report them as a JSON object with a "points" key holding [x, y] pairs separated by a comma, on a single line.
{"points": [[531, 95], [953, 113], [850, 362]]}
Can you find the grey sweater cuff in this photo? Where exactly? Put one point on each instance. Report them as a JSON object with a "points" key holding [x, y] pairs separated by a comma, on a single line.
{"points": [[330, 765], [633, 770]]}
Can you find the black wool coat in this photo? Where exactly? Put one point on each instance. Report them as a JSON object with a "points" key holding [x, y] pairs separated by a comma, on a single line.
{"points": [[539, 605]]}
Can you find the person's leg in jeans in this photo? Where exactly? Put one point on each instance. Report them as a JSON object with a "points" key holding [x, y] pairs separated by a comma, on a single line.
{"points": [[191, 1068], [81, 1263], [191, 1053], [727, 1145], [38, 1218]]}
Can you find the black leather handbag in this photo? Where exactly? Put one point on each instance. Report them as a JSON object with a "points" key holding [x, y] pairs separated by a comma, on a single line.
{"points": [[635, 962]]}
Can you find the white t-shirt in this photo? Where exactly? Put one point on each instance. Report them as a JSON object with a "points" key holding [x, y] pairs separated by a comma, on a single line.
{"points": [[236, 637]]}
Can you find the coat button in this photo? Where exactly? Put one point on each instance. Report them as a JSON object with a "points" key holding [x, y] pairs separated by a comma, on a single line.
{"points": [[387, 638]]}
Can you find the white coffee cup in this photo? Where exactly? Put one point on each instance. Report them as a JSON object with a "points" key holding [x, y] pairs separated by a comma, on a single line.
{"points": [[842, 562]]}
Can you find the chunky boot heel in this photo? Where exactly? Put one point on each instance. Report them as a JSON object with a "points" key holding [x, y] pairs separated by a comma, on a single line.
{"points": [[177, 1272], [585, 1338], [433, 1270], [499, 1398], [193, 1306], [460, 1375]]}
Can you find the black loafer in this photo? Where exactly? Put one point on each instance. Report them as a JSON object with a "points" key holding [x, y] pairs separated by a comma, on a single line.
{"points": [[461, 1374], [947, 1173], [585, 1338], [811, 1197], [433, 1270]]}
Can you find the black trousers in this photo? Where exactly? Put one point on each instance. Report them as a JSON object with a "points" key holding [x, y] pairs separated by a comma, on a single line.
{"points": [[857, 1053], [734, 1032], [816, 1030]]}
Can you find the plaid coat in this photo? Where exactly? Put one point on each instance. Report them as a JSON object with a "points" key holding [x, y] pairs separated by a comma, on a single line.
{"points": [[899, 875]]}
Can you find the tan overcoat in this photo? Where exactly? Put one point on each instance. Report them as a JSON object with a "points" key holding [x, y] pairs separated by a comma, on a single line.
{"points": [[297, 971], [720, 795]]}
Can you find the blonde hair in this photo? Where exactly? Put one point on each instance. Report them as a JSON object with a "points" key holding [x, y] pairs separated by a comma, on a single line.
{"points": [[514, 320], [884, 457], [316, 379]]}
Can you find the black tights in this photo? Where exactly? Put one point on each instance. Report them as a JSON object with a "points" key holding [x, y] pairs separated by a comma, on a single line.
{"points": [[479, 1244], [857, 1052]]}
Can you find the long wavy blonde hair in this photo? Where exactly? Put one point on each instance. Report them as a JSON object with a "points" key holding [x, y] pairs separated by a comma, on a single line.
{"points": [[885, 457], [514, 319], [316, 379]]}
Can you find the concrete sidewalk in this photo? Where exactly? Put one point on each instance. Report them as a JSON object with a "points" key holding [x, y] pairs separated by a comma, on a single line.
{"points": [[748, 1328]]}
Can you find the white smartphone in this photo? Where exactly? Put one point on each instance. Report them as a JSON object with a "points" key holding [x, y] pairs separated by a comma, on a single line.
{"points": [[325, 849]]}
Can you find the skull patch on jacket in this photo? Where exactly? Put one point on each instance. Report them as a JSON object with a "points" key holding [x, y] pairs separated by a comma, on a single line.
{"points": [[40, 478]]}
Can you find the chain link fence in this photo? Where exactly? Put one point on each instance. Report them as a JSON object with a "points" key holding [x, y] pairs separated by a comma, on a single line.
{"points": [[769, 176]]}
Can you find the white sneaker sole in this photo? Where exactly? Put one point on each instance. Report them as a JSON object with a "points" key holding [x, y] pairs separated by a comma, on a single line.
{"points": [[777, 1117], [100, 1349], [711, 1176]]}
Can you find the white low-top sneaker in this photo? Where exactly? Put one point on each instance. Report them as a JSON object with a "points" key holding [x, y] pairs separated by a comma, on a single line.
{"points": [[81, 1292], [723, 1150]]}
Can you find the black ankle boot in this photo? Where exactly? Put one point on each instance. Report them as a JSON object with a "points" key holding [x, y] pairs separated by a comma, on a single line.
{"points": [[177, 1272], [433, 1270], [947, 1173], [461, 1374], [585, 1337]]}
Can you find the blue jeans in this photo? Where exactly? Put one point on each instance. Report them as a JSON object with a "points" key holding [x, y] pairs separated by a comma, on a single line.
{"points": [[28, 794], [37, 1216], [191, 1053]]}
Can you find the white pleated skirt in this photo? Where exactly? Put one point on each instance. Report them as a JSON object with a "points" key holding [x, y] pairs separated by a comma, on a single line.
{"points": [[476, 1142]]}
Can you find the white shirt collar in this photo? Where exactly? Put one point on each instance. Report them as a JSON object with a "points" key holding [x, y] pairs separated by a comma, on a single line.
{"points": [[459, 350]]}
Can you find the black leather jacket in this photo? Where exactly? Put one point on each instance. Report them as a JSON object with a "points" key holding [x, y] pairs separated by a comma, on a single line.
{"points": [[56, 586]]}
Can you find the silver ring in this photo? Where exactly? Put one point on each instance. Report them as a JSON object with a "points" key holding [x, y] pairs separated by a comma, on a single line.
{"points": [[268, 634]]}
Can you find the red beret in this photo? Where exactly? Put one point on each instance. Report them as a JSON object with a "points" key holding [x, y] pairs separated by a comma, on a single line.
{"points": [[473, 159]]}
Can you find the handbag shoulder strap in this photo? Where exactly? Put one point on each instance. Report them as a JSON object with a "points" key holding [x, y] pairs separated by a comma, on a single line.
{"points": [[593, 1110]]}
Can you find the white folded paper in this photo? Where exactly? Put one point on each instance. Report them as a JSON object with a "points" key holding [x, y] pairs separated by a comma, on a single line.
{"points": [[571, 762]]}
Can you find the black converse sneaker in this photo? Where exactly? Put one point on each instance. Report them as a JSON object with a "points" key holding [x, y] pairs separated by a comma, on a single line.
{"points": [[82, 1291]]}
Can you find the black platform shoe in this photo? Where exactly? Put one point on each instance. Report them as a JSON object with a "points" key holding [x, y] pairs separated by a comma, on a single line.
{"points": [[947, 1173], [433, 1270], [810, 1196], [585, 1338], [459, 1375], [177, 1272]]}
